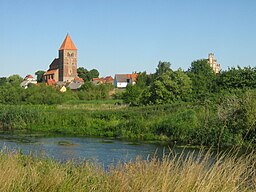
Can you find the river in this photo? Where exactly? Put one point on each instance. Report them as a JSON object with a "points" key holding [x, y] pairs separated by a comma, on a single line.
{"points": [[102, 150]]}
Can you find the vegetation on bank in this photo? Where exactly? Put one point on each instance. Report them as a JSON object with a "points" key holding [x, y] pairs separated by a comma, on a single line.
{"points": [[195, 107], [230, 121], [227, 172]]}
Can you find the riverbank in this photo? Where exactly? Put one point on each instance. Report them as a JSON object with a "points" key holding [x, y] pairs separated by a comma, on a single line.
{"points": [[193, 173], [197, 124]]}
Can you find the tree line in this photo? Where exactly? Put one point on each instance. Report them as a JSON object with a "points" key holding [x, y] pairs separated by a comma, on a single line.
{"points": [[198, 83], [12, 93]]}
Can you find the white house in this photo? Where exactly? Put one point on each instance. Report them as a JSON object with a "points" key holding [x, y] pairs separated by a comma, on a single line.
{"points": [[122, 80], [29, 79]]}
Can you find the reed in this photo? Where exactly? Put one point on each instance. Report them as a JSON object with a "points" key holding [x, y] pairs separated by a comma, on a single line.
{"points": [[179, 173]]}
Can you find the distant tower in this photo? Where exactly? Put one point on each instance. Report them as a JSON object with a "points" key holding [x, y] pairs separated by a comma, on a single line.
{"points": [[213, 63], [67, 60]]}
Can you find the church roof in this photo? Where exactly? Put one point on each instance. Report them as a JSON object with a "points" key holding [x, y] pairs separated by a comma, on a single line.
{"points": [[50, 72], [68, 44]]}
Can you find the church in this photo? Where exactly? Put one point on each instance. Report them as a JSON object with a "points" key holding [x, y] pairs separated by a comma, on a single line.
{"points": [[63, 68]]}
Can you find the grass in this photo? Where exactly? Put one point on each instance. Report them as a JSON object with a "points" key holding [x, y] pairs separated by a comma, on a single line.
{"points": [[178, 173], [183, 123]]}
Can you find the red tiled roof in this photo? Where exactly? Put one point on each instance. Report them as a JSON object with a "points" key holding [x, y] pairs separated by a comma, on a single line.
{"points": [[79, 79], [29, 76], [124, 77], [98, 79], [68, 44], [107, 79], [50, 72]]}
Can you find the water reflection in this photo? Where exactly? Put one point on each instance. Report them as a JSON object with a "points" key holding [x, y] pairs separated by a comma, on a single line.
{"points": [[103, 151]]}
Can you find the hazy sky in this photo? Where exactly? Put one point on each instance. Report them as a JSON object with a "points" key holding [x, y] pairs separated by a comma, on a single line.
{"points": [[121, 36]]}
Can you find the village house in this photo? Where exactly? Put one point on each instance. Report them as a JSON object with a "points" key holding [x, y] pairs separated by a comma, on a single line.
{"points": [[76, 83], [122, 80], [29, 79], [103, 80]]}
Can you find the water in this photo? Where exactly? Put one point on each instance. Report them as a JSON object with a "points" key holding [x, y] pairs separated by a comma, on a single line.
{"points": [[104, 151]]}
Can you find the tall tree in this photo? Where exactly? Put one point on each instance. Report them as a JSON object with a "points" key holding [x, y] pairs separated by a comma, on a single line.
{"points": [[203, 78], [14, 80], [87, 75], [39, 76], [168, 87], [94, 73], [163, 67], [82, 73]]}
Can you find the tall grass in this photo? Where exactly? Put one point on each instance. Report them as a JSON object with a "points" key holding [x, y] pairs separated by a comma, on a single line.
{"points": [[227, 172], [229, 123]]}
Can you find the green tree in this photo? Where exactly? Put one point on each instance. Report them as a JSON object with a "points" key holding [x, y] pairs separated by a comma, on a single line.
{"points": [[203, 79], [87, 75], [169, 87], [3, 80], [82, 73], [163, 67], [14, 80], [237, 78], [39, 76], [89, 91], [133, 93], [94, 73], [10, 94]]}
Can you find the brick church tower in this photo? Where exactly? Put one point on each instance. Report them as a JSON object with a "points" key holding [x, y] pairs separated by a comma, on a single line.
{"points": [[67, 63]]}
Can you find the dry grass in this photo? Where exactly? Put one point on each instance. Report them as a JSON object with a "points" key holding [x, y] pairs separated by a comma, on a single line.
{"points": [[178, 173]]}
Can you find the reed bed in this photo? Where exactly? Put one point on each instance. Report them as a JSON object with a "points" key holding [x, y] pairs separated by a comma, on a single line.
{"points": [[179, 173]]}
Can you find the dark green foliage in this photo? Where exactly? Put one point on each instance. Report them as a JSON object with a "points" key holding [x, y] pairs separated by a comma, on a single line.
{"points": [[40, 94], [163, 67], [179, 126], [10, 94], [39, 76], [169, 87], [89, 91], [203, 79], [240, 78], [14, 80], [87, 75], [133, 94], [3, 80]]}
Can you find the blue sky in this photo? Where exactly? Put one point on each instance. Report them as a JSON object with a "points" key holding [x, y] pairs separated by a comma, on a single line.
{"points": [[121, 36]]}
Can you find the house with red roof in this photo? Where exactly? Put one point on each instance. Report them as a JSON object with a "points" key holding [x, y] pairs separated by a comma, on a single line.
{"points": [[29, 79], [122, 80], [103, 80]]}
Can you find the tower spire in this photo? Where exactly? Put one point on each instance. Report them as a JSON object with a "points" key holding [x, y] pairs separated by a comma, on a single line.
{"points": [[68, 44]]}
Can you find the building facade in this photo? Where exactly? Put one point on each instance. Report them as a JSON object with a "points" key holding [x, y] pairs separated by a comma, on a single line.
{"points": [[63, 68], [213, 63]]}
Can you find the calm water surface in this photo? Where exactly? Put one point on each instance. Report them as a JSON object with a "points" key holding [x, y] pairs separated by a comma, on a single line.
{"points": [[104, 151]]}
